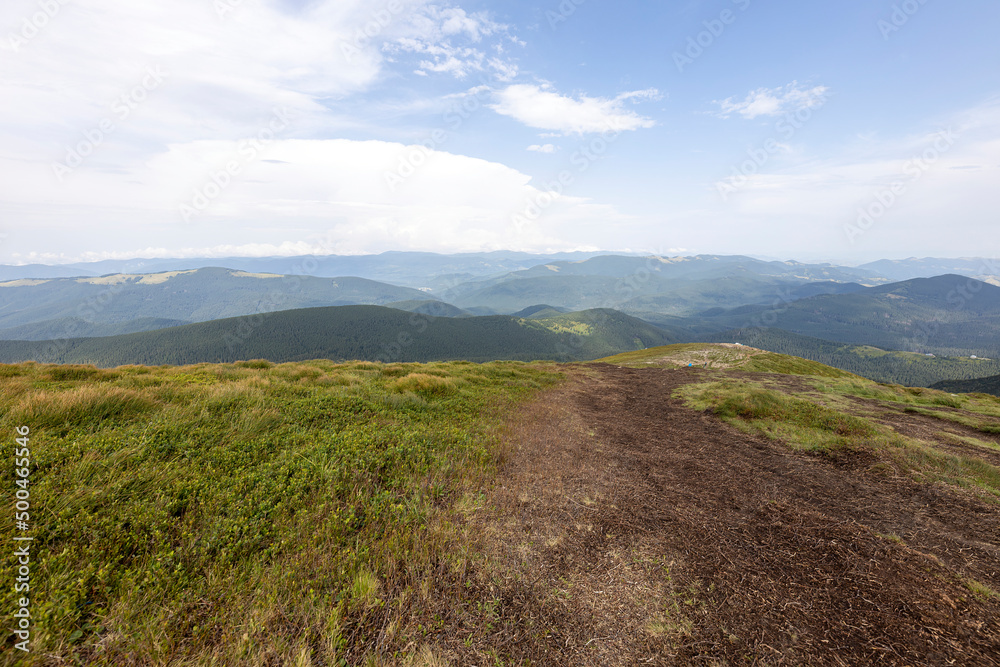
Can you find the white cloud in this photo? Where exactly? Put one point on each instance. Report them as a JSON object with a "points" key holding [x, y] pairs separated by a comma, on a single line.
{"points": [[913, 189], [435, 30], [542, 148], [329, 194], [503, 71], [542, 108], [774, 101], [223, 77], [223, 73]]}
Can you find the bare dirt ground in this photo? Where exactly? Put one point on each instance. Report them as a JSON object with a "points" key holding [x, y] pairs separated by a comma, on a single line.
{"points": [[628, 530]]}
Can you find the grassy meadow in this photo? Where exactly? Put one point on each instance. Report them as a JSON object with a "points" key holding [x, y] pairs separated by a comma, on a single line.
{"points": [[247, 513]]}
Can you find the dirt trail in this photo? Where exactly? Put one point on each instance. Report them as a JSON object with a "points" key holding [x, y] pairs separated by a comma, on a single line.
{"points": [[633, 530]]}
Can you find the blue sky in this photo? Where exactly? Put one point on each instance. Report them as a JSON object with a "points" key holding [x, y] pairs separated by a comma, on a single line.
{"points": [[844, 131]]}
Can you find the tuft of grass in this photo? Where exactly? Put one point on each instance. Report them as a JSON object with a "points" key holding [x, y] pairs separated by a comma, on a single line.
{"points": [[255, 363], [966, 440], [981, 590], [74, 373], [673, 621], [86, 406], [672, 625], [426, 657], [982, 404], [365, 589], [15, 370], [426, 384], [770, 362]]}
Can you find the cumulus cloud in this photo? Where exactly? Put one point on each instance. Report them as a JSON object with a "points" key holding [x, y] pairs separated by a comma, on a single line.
{"points": [[542, 148], [774, 101], [540, 107], [436, 31], [335, 195], [222, 69], [125, 109]]}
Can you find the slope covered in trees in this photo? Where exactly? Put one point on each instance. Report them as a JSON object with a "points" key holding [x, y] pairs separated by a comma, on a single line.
{"points": [[354, 332], [948, 315], [906, 368], [987, 385]]}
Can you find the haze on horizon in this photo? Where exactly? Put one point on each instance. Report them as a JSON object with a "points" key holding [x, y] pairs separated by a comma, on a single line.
{"points": [[209, 128]]}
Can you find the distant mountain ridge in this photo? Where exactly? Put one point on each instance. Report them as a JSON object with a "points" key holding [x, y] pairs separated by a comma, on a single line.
{"points": [[948, 315], [929, 267], [74, 307], [372, 333], [411, 269]]}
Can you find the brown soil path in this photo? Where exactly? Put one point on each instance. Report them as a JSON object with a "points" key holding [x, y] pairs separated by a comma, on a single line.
{"points": [[632, 530]]}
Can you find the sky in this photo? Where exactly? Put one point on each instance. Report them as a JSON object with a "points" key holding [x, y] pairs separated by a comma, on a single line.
{"points": [[845, 131]]}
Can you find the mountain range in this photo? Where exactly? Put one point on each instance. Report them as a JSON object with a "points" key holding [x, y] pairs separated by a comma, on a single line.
{"points": [[77, 307], [507, 305]]}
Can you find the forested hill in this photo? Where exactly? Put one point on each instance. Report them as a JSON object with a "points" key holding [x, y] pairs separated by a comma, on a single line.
{"points": [[906, 368], [371, 333], [987, 385], [947, 315]]}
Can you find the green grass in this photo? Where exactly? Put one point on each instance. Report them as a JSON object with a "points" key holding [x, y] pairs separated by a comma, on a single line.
{"points": [[981, 590], [983, 426], [965, 409], [805, 424], [719, 356], [893, 393], [770, 362], [975, 442], [244, 513], [802, 423]]}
